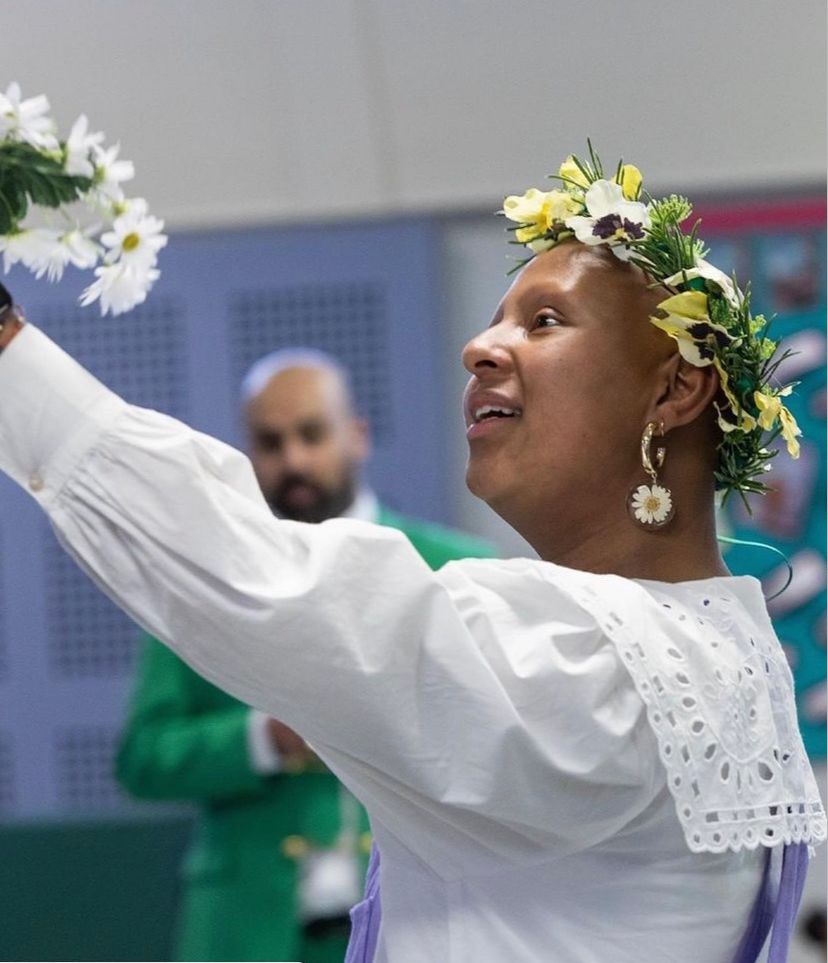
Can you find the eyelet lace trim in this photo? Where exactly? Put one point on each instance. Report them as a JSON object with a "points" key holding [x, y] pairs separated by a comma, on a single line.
{"points": [[720, 700]]}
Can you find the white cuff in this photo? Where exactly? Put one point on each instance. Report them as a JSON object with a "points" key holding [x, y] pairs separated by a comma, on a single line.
{"points": [[51, 413], [264, 756]]}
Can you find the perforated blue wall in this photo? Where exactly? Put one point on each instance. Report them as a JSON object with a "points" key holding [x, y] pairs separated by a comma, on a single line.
{"points": [[347, 319]]}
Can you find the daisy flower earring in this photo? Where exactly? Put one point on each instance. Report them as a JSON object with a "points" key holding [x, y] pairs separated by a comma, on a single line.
{"points": [[651, 506]]}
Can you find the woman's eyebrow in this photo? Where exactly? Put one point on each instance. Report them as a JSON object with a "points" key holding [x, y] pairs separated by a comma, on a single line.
{"points": [[548, 292], [555, 300]]}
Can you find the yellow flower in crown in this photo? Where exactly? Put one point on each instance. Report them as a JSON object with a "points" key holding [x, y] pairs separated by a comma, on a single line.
{"points": [[790, 431], [571, 173], [688, 322], [769, 406], [700, 342], [733, 415], [630, 181], [771, 409], [538, 211]]}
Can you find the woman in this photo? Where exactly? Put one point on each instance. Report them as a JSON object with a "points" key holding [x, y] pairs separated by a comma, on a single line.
{"points": [[580, 758]]}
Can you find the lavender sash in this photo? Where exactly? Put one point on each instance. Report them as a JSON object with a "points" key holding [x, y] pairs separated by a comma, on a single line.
{"points": [[794, 871], [772, 909], [366, 915], [776, 909]]}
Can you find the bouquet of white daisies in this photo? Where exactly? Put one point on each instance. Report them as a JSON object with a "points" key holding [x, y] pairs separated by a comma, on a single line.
{"points": [[61, 202]]}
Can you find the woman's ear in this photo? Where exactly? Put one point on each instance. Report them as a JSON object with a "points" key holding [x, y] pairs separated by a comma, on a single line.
{"points": [[687, 392]]}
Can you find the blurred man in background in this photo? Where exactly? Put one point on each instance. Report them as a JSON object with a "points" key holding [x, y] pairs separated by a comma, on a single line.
{"points": [[279, 848]]}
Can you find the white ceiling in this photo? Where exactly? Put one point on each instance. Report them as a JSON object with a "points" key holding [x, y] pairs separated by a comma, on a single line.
{"points": [[267, 110]]}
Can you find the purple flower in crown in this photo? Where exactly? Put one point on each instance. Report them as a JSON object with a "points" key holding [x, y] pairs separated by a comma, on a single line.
{"points": [[613, 225], [612, 219]]}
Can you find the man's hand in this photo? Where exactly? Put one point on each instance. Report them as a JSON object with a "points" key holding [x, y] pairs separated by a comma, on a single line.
{"points": [[293, 749]]}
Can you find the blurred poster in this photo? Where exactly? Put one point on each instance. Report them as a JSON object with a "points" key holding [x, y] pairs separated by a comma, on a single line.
{"points": [[785, 259]]}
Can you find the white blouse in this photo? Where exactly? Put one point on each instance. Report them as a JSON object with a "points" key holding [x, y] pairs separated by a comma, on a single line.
{"points": [[558, 766]]}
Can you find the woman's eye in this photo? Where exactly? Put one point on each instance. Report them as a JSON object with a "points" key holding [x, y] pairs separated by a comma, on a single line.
{"points": [[546, 321]]}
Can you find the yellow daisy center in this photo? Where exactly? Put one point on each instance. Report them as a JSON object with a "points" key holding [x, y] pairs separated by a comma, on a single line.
{"points": [[652, 503], [131, 241]]}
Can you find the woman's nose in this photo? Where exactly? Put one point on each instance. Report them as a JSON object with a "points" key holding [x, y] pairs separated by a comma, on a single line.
{"points": [[487, 352]]}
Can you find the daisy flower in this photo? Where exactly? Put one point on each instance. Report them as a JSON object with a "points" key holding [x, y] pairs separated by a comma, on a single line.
{"points": [[37, 248], [81, 250], [80, 195], [26, 120], [136, 237], [120, 287], [652, 504], [110, 172], [79, 147]]}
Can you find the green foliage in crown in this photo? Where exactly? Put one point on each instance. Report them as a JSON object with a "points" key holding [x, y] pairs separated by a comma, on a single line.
{"points": [[706, 314]]}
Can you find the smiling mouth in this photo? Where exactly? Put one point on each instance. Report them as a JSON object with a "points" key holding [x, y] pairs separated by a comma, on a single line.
{"points": [[491, 412], [491, 418]]}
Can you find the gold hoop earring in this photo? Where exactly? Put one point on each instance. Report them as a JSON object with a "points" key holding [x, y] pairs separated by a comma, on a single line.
{"points": [[651, 506]]}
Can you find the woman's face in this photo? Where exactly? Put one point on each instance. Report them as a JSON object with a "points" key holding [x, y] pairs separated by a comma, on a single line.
{"points": [[563, 382]]}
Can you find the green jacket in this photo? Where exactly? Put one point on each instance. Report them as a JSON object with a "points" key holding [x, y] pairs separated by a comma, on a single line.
{"points": [[185, 739]]}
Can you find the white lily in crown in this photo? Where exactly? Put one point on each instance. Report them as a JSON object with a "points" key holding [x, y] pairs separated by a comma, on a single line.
{"points": [[612, 219]]}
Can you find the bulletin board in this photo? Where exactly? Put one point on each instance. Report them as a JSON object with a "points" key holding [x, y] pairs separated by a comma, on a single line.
{"points": [[780, 246]]}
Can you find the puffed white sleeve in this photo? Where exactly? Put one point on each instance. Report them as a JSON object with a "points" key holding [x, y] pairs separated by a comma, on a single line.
{"points": [[402, 680]]}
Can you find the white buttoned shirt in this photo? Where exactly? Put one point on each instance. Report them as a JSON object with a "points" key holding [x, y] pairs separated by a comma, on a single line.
{"points": [[558, 766]]}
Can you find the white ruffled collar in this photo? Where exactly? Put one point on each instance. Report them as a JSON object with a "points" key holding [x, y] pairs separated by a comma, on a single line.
{"points": [[705, 660]]}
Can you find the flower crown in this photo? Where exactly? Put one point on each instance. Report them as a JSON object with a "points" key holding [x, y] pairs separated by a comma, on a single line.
{"points": [[58, 197], [707, 314]]}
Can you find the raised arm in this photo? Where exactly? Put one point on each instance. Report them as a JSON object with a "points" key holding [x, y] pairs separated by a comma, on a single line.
{"points": [[172, 525], [398, 678]]}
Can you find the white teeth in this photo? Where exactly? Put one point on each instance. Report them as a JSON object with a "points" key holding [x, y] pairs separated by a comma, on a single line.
{"points": [[481, 413]]}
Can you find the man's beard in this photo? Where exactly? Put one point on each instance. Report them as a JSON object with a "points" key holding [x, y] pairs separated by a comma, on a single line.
{"points": [[318, 505]]}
